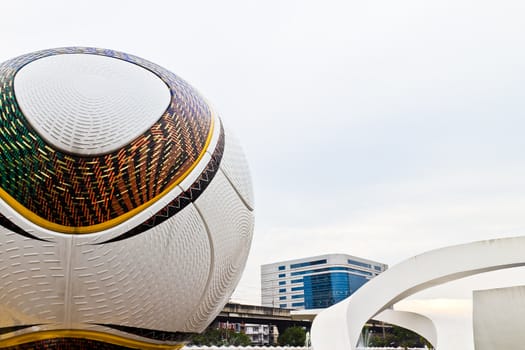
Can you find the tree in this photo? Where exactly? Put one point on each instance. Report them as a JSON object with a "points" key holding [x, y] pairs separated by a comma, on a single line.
{"points": [[208, 338], [292, 336], [218, 337], [406, 338], [399, 337], [239, 339]]}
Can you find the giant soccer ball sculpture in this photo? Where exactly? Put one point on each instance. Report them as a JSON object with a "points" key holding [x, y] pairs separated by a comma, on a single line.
{"points": [[125, 205]]}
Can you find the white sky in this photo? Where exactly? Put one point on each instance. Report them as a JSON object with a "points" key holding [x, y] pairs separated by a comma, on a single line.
{"points": [[380, 129]]}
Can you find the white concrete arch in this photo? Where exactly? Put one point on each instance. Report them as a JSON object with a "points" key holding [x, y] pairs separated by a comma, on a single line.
{"points": [[339, 326], [415, 322]]}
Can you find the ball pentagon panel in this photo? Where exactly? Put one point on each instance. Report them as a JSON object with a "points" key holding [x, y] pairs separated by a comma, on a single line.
{"points": [[126, 210]]}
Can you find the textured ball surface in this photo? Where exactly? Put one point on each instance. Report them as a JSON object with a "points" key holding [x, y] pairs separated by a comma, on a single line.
{"points": [[125, 205]]}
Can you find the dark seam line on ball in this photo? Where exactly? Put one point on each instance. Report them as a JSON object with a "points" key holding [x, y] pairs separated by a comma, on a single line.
{"points": [[8, 224], [149, 333]]}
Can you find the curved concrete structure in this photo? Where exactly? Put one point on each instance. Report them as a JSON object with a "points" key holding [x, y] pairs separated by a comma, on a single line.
{"points": [[452, 319], [339, 326], [415, 322]]}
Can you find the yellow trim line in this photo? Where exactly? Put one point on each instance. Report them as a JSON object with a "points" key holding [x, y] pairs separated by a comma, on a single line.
{"points": [[110, 223], [84, 334]]}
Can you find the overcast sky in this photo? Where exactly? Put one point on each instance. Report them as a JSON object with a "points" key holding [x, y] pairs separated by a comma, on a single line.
{"points": [[380, 129]]}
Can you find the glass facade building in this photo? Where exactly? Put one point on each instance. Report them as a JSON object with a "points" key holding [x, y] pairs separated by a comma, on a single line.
{"points": [[315, 282]]}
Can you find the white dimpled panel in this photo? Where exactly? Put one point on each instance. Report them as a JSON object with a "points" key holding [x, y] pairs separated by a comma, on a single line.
{"points": [[235, 167], [89, 104], [154, 280], [230, 225], [33, 279]]}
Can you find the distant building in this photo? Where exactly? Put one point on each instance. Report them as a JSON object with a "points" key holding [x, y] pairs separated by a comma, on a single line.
{"points": [[260, 334], [315, 282]]}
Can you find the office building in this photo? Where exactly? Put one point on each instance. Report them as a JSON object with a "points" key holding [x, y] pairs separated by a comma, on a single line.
{"points": [[315, 282]]}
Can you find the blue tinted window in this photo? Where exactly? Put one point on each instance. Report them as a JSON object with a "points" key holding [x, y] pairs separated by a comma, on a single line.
{"points": [[359, 271], [359, 263], [297, 288], [308, 263], [298, 273], [282, 297], [281, 275], [297, 304], [324, 290], [336, 268], [297, 280], [281, 283], [378, 268], [282, 290], [298, 296], [281, 267], [282, 306]]}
